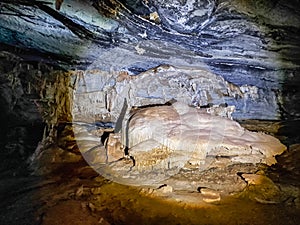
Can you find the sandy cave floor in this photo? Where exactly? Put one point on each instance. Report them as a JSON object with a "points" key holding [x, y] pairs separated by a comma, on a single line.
{"points": [[76, 194]]}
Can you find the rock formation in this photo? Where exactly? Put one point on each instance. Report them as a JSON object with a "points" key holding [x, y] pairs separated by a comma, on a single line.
{"points": [[187, 131], [100, 95], [147, 93], [162, 140], [252, 44]]}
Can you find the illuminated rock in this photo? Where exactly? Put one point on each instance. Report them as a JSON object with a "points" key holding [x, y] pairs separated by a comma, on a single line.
{"points": [[162, 140], [101, 93], [166, 136], [262, 189], [209, 195]]}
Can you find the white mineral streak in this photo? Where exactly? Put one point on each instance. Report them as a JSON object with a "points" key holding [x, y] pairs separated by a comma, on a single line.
{"points": [[221, 111], [191, 133]]}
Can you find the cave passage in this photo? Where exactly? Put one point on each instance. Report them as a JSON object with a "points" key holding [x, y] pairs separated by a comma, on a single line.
{"points": [[149, 112]]}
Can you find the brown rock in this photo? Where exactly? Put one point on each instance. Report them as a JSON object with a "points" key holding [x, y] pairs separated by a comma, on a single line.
{"points": [[114, 147], [96, 190], [164, 189], [261, 189], [209, 195]]}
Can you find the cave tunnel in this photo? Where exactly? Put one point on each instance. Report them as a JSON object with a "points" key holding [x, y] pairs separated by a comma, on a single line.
{"points": [[149, 112]]}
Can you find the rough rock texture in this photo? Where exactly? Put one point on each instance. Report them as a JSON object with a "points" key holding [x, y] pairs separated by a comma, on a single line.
{"points": [[215, 195], [219, 174], [167, 138], [249, 43], [34, 99], [20, 120], [100, 95]]}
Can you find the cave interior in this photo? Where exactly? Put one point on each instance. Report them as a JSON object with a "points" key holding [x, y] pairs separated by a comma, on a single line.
{"points": [[149, 112]]}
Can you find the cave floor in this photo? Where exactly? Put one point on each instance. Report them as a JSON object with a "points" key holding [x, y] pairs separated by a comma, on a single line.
{"points": [[76, 194]]}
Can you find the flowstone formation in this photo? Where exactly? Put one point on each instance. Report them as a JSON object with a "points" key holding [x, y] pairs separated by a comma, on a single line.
{"points": [[162, 140], [188, 131], [165, 122]]}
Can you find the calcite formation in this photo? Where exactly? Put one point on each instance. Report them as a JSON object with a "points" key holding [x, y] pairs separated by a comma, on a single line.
{"points": [[100, 95], [188, 131], [161, 140]]}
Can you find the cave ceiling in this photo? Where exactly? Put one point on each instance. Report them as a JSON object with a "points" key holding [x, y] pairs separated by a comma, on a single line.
{"points": [[253, 43]]}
